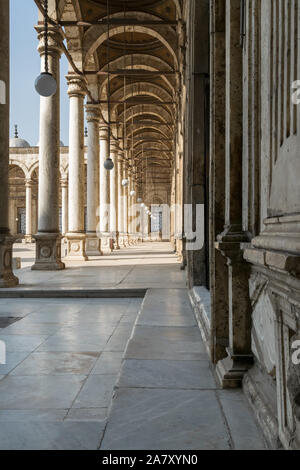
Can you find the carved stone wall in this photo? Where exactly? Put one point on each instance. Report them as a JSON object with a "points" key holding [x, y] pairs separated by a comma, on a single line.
{"points": [[272, 385]]}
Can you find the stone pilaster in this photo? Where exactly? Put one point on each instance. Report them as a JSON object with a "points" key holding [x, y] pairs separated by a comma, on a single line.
{"points": [[48, 238], [76, 238], [93, 242], [231, 370], [106, 241]]}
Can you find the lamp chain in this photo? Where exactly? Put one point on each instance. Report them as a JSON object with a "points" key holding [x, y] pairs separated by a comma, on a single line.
{"points": [[46, 36]]}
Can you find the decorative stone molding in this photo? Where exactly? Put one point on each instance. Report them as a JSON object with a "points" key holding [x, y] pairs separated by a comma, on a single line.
{"points": [[103, 131], [92, 112], [76, 86], [48, 252], [275, 293], [76, 247], [107, 243], [7, 277], [231, 370], [55, 40], [93, 245]]}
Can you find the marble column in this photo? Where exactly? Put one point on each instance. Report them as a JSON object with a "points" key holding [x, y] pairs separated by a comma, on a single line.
{"points": [[120, 201], [132, 213], [106, 242], [28, 189], [114, 191], [48, 238], [218, 263], [93, 242], [76, 238], [125, 205], [64, 206], [136, 214], [7, 278]]}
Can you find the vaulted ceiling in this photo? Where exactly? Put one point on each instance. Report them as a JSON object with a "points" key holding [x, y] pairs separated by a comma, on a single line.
{"points": [[128, 53]]}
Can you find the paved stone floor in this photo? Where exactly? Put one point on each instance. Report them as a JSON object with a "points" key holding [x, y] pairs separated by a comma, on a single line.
{"points": [[114, 373], [143, 266]]}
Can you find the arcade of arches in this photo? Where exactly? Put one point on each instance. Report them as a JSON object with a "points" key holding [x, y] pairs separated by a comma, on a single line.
{"points": [[192, 100]]}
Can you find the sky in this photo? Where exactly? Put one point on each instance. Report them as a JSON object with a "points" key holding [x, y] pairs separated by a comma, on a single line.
{"points": [[25, 67]]}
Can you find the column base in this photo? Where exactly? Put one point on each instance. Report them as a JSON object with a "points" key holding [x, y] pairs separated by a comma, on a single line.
{"points": [[93, 245], [28, 239], [7, 277], [48, 252], [125, 240], [121, 241], [231, 370], [76, 243], [130, 240], [106, 243], [115, 241]]}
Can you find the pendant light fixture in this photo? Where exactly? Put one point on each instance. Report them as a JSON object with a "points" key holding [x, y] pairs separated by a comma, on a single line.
{"points": [[45, 84], [108, 164]]}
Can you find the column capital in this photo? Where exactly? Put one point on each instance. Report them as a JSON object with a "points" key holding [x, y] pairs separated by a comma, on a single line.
{"points": [[104, 131], [76, 85], [114, 148], [28, 183], [64, 182], [121, 156], [92, 112], [55, 40]]}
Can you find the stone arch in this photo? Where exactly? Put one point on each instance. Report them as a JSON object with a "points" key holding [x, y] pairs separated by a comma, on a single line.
{"points": [[21, 165], [64, 171], [139, 89], [160, 130], [71, 11], [33, 168], [142, 88], [96, 35], [149, 109], [154, 64]]}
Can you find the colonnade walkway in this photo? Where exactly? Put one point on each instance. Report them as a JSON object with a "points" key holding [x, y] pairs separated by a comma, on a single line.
{"points": [[113, 373]]}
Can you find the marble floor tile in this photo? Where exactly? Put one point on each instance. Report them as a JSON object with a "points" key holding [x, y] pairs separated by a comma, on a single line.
{"points": [[119, 339], [59, 344], [87, 414], [12, 360], [96, 392], [165, 419], [17, 343], [108, 363], [56, 363], [18, 416], [166, 343], [39, 392], [51, 317], [85, 329], [31, 329], [243, 429], [68, 435], [167, 374]]}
